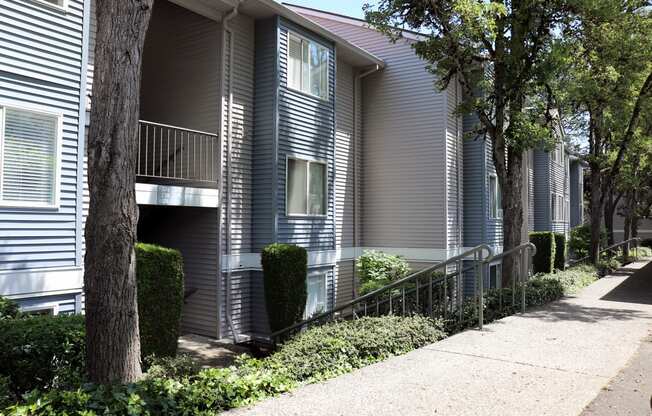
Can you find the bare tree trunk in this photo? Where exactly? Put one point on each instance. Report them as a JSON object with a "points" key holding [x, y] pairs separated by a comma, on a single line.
{"points": [[512, 205], [609, 208], [595, 208], [112, 338], [628, 223]]}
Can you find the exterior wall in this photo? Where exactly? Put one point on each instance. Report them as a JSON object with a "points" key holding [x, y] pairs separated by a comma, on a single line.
{"points": [[42, 68], [404, 124], [550, 178], [454, 167], [242, 170], [192, 231], [576, 194]]}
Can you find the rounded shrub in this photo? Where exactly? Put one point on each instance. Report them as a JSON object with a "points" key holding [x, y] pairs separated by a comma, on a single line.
{"points": [[285, 267], [159, 273], [42, 352]]}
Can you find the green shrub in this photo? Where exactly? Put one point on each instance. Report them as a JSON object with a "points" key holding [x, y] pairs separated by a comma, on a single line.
{"points": [[608, 265], [8, 309], [159, 272], [575, 278], [285, 268], [560, 251], [7, 396], [42, 352], [544, 260], [642, 251], [336, 348], [171, 367], [377, 269], [579, 242], [646, 242]]}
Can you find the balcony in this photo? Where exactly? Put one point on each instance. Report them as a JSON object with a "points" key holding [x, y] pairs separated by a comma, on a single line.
{"points": [[177, 166]]}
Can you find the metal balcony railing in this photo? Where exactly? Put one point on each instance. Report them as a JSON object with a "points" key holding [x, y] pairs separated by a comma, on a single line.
{"points": [[170, 153]]}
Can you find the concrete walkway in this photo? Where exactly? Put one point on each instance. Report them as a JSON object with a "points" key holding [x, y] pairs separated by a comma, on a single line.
{"points": [[549, 361]]}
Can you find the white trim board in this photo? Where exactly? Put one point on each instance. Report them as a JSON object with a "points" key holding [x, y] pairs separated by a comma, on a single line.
{"points": [[150, 194], [41, 282], [251, 261]]}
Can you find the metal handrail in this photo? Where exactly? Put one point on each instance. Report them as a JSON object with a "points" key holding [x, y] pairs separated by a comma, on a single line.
{"points": [[477, 252], [635, 240]]}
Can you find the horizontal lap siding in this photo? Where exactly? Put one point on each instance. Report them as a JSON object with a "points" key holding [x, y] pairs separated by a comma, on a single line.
{"points": [[306, 128], [40, 66], [345, 154], [403, 146], [474, 195], [576, 194], [494, 227], [344, 284], [542, 191], [454, 167], [242, 131], [192, 231]]}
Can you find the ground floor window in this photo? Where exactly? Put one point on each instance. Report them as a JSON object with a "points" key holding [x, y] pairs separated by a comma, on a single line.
{"points": [[316, 302]]}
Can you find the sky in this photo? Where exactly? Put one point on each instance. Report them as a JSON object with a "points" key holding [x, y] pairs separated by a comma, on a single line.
{"points": [[351, 8]]}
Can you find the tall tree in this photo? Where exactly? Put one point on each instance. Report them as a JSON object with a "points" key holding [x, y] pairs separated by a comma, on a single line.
{"points": [[608, 79], [112, 339], [496, 50]]}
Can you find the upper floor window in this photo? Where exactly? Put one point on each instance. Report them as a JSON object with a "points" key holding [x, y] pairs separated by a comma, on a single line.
{"points": [[558, 154], [557, 207], [495, 203], [29, 161], [307, 66], [305, 187]]}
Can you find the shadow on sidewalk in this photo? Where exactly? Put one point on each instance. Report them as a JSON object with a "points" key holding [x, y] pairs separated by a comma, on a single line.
{"points": [[566, 311], [637, 288]]}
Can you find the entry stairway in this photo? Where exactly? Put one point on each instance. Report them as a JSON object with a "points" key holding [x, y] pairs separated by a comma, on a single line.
{"points": [[438, 292]]}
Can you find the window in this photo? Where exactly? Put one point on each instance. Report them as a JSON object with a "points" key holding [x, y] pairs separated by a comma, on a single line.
{"points": [[59, 4], [29, 157], [307, 66], [557, 207], [558, 154], [495, 204], [305, 187], [495, 276], [316, 302]]}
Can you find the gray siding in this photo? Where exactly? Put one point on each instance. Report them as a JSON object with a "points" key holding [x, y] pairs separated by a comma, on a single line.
{"points": [[542, 212], [192, 231], [242, 88], [345, 283], [306, 128], [454, 167], [41, 65], [475, 192], [576, 194], [403, 146], [66, 304]]}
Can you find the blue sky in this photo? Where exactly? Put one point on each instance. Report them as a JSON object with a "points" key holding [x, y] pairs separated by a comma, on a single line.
{"points": [[346, 7]]}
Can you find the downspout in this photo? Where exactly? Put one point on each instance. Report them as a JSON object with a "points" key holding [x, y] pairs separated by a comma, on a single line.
{"points": [[229, 180], [357, 130]]}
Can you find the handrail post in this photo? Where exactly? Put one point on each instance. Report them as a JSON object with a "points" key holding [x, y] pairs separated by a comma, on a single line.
{"points": [[481, 297], [524, 267]]}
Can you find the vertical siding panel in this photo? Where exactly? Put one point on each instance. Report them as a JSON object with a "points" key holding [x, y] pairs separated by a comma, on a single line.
{"points": [[344, 157]]}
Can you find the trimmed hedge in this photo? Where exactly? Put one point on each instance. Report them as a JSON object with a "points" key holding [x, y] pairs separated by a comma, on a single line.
{"points": [[560, 251], [159, 272], [285, 267], [42, 352], [316, 354], [544, 260]]}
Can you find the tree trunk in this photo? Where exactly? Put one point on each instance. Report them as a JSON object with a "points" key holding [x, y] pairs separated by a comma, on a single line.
{"points": [[609, 208], [595, 208], [627, 224], [112, 338], [512, 205]]}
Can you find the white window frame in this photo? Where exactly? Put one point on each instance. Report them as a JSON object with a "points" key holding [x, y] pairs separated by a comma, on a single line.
{"points": [[557, 207], [324, 276], [51, 307], [558, 154], [499, 275], [57, 157], [496, 197], [62, 7], [287, 193], [301, 90]]}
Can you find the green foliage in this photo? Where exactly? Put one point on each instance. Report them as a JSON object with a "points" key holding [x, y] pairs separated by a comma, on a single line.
{"points": [[608, 265], [42, 352], [337, 348], [285, 268], [171, 367], [7, 396], [575, 278], [377, 269], [642, 252], [544, 260], [159, 272], [560, 251], [8, 309], [316, 354], [580, 240]]}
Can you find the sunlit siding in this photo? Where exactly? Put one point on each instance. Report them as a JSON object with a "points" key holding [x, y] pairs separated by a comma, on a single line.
{"points": [[41, 67], [542, 191], [454, 167], [306, 128], [404, 123]]}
